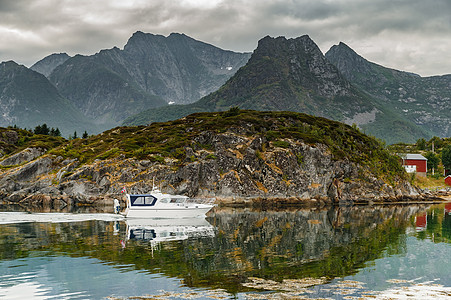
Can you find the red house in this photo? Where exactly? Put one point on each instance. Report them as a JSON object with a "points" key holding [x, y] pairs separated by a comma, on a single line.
{"points": [[448, 180], [415, 163]]}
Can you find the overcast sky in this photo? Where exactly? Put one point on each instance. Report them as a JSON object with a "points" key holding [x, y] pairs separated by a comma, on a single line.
{"points": [[409, 35]]}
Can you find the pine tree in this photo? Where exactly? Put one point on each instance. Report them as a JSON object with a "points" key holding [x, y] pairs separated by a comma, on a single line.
{"points": [[42, 129], [45, 129], [37, 129], [85, 135], [75, 135], [446, 157]]}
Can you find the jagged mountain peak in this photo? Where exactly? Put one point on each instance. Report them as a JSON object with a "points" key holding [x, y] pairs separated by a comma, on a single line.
{"points": [[303, 63], [10, 69], [28, 99], [140, 42], [343, 47], [342, 53], [347, 60], [281, 44], [350, 62], [151, 70], [9, 64], [140, 38]]}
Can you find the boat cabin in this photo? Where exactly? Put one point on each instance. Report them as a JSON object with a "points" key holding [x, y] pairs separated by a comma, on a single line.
{"points": [[142, 200]]}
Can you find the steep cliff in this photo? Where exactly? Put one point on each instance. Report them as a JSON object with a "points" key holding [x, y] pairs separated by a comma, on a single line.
{"points": [[234, 155]]}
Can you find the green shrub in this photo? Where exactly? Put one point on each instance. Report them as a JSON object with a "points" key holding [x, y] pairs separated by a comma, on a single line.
{"points": [[108, 154], [157, 158], [300, 158], [210, 156], [233, 111], [281, 144]]}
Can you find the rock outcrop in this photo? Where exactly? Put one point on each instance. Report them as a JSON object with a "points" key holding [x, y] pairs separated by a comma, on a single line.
{"points": [[22, 157]]}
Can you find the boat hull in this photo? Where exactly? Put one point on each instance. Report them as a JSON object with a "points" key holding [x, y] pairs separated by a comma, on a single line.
{"points": [[172, 213]]}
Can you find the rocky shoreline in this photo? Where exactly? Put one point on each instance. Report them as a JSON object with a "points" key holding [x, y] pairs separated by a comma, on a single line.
{"points": [[253, 177]]}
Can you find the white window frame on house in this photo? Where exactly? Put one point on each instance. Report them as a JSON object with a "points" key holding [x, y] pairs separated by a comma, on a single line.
{"points": [[410, 168]]}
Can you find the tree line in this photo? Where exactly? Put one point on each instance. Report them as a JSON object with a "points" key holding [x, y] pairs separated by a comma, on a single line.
{"points": [[44, 129]]}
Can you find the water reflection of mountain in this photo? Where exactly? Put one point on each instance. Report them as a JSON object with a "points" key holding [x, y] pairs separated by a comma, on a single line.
{"points": [[272, 245]]}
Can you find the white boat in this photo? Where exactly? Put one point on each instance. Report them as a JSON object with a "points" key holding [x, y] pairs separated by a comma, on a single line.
{"points": [[159, 205]]}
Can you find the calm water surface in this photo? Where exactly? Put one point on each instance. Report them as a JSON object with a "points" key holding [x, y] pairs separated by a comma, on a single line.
{"points": [[337, 253]]}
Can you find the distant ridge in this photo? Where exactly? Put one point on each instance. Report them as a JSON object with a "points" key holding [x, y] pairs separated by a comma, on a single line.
{"points": [[28, 99], [151, 71], [423, 100]]}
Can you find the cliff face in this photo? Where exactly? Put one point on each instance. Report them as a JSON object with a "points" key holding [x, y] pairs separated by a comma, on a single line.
{"points": [[228, 172], [256, 156]]}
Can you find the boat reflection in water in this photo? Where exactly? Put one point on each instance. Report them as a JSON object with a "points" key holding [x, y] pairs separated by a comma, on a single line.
{"points": [[156, 231]]}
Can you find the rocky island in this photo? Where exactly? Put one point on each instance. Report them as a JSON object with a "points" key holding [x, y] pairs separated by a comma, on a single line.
{"points": [[237, 156]]}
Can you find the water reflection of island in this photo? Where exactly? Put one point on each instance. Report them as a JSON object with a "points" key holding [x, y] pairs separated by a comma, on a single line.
{"points": [[307, 243], [235, 245]]}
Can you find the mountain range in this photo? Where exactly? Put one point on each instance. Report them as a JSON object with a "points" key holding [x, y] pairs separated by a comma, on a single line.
{"points": [[137, 83], [294, 75], [99, 91]]}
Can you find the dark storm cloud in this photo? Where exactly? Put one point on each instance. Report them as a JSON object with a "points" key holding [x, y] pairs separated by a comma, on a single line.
{"points": [[410, 35]]}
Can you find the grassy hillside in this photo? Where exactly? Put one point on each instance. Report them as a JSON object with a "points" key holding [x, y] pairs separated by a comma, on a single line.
{"points": [[13, 140], [168, 140]]}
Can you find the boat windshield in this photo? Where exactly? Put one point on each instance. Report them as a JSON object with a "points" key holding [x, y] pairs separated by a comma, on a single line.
{"points": [[142, 200], [164, 200]]}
